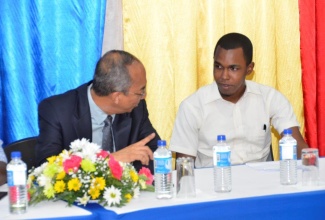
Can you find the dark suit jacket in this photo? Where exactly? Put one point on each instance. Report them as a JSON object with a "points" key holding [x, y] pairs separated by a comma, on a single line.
{"points": [[66, 117]]}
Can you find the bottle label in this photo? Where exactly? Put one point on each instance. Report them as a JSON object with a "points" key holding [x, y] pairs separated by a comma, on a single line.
{"points": [[17, 177], [163, 165], [222, 158], [288, 151]]}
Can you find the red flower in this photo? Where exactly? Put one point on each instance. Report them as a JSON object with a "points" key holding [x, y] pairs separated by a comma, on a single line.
{"points": [[145, 171], [102, 154], [72, 164], [116, 168]]}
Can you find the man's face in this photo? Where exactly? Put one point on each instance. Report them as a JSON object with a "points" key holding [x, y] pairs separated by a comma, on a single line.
{"points": [[229, 72], [137, 91]]}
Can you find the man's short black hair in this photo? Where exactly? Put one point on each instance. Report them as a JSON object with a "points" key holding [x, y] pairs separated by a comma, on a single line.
{"points": [[236, 40]]}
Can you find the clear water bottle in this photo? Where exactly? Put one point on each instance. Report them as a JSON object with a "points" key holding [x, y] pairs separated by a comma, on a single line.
{"points": [[222, 165], [163, 171], [17, 185], [288, 158]]}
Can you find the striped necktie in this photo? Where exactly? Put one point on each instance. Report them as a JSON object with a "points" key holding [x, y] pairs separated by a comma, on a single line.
{"points": [[107, 142]]}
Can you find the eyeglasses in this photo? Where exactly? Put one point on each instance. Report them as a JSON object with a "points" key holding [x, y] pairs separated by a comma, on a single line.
{"points": [[141, 95]]}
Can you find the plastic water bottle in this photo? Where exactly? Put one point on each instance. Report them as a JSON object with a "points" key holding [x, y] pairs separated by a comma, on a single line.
{"points": [[16, 175], [163, 171], [222, 165], [288, 158]]}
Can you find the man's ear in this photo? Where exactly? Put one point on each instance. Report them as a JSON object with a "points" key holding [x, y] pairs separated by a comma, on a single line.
{"points": [[116, 97], [250, 68]]}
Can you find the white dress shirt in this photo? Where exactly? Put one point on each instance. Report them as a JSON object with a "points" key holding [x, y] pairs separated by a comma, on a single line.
{"points": [[97, 120], [246, 124]]}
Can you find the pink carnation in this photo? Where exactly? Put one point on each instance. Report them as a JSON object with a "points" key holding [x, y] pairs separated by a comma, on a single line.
{"points": [[116, 168], [102, 154], [145, 171], [72, 164]]}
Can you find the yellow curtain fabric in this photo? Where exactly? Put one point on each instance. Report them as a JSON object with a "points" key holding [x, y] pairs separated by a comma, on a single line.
{"points": [[175, 40]]}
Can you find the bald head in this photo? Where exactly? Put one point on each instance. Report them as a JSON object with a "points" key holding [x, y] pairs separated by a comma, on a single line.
{"points": [[111, 74]]}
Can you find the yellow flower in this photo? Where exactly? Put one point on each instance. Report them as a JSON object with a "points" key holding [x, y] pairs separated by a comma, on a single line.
{"points": [[88, 166], [60, 161], [49, 191], [94, 193], [60, 175], [128, 197], [74, 184], [99, 183], [62, 156], [142, 184], [32, 177], [59, 186], [134, 176], [50, 170], [51, 159]]}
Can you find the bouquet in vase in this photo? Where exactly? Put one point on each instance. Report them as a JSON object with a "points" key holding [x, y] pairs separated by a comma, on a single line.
{"points": [[86, 173]]}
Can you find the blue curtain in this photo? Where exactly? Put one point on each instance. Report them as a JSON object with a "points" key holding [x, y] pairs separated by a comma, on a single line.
{"points": [[46, 47]]}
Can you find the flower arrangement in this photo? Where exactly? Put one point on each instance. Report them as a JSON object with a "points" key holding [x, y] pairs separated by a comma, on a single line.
{"points": [[86, 173]]}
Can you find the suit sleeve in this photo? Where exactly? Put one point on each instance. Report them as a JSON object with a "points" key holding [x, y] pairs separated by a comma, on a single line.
{"points": [[145, 129], [50, 139]]}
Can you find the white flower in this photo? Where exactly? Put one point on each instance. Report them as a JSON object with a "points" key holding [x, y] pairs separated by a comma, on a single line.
{"points": [[83, 200], [136, 192], [89, 151], [38, 171], [43, 180], [112, 195], [65, 155], [84, 149], [48, 186], [78, 145]]}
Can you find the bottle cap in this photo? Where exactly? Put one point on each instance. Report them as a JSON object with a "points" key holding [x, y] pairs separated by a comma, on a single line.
{"points": [[161, 143], [221, 137], [15, 154], [287, 131]]}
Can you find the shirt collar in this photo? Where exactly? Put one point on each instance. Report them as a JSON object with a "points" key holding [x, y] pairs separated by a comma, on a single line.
{"points": [[213, 93], [97, 115]]}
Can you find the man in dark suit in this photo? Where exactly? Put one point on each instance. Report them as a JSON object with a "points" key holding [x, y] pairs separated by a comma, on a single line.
{"points": [[117, 90]]}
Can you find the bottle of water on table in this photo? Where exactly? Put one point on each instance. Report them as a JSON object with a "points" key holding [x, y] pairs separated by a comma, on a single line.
{"points": [[17, 185], [163, 171], [288, 158], [222, 165]]}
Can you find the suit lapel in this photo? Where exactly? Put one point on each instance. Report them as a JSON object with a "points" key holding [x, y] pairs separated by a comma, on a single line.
{"points": [[81, 118], [121, 130]]}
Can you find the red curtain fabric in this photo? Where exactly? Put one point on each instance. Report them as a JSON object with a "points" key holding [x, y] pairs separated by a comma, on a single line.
{"points": [[312, 37]]}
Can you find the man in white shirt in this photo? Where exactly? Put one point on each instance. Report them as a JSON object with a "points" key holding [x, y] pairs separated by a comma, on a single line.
{"points": [[242, 110]]}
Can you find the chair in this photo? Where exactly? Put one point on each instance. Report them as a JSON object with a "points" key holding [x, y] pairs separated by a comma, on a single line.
{"points": [[270, 157], [27, 148]]}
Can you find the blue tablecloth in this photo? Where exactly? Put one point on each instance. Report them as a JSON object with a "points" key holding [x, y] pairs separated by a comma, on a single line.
{"points": [[306, 205]]}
